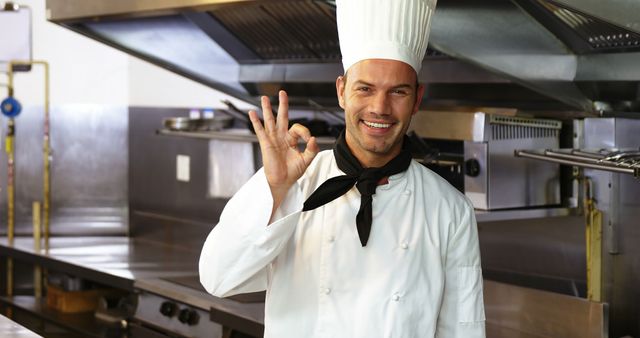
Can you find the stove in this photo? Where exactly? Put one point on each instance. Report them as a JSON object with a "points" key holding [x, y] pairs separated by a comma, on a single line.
{"points": [[180, 306]]}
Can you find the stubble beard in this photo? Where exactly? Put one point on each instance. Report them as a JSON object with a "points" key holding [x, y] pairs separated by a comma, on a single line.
{"points": [[385, 147]]}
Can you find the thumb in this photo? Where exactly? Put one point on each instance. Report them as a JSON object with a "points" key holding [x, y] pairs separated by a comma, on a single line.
{"points": [[310, 151]]}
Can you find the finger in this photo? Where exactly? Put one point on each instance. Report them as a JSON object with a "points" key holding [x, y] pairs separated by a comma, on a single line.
{"points": [[310, 151], [283, 111], [298, 131], [257, 125], [267, 114]]}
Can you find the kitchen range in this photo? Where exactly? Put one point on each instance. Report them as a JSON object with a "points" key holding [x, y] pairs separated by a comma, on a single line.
{"points": [[532, 111]]}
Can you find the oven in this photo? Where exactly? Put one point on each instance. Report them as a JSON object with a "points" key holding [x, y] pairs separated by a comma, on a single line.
{"points": [[475, 153], [180, 307]]}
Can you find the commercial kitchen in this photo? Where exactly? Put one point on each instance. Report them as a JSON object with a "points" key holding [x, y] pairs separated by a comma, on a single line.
{"points": [[125, 132]]}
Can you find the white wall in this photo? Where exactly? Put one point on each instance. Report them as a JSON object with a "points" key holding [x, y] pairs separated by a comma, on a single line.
{"points": [[84, 71], [152, 86]]}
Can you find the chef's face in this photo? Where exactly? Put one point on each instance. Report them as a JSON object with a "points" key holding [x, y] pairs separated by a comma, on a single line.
{"points": [[379, 97]]}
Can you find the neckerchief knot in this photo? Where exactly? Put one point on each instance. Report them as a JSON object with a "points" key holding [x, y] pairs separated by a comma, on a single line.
{"points": [[365, 179]]}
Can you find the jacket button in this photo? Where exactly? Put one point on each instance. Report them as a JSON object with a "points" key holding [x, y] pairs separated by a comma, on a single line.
{"points": [[404, 245], [395, 297], [331, 239], [326, 291]]}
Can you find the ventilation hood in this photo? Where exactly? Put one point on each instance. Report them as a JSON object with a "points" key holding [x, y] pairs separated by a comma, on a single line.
{"points": [[569, 55]]}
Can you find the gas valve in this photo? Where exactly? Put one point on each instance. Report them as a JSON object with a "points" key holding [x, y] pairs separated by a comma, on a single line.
{"points": [[10, 107]]}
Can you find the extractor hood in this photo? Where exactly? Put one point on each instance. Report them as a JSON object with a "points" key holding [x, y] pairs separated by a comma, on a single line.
{"points": [[530, 54]]}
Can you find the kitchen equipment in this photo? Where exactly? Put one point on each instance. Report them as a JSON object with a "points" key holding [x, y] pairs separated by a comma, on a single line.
{"points": [[621, 161], [15, 37], [180, 306], [485, 169], [216, 123]]}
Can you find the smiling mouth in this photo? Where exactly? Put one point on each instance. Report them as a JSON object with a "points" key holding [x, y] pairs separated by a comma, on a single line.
{"points": [[377, 125]]}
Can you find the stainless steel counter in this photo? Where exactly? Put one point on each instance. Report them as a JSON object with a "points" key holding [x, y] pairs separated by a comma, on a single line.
{"points": [[114, 261], [141, 265], [11, 329], [246, 315]]}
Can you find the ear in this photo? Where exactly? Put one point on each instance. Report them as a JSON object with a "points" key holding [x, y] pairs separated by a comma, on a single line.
{"points": [[340, 85], [419, 94]]}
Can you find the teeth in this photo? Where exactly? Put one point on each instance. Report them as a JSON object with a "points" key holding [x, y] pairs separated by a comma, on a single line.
{"points": [[377, 125]]}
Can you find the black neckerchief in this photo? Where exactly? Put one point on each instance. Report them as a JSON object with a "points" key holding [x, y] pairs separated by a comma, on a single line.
{"points": [[365, 179]]}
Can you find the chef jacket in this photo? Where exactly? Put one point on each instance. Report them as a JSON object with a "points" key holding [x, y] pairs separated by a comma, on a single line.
{"points": [[418, 276]]}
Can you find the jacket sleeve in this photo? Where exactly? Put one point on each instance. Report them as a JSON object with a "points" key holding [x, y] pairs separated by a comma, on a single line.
{"points": [[236, 254], [462, 310]]}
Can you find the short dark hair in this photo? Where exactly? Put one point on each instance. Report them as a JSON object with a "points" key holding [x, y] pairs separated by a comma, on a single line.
{"points": [[417, 82], [344, 77]]}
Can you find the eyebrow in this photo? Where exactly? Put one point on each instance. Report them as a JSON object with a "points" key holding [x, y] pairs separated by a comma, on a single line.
{"points": [[402, 85]]}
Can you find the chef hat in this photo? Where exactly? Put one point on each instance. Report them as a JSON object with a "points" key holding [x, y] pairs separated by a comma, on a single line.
{"points": [[384, 29]]}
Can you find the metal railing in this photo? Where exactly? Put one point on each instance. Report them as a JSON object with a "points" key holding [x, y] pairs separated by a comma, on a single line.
{"points": [[626, 161]]}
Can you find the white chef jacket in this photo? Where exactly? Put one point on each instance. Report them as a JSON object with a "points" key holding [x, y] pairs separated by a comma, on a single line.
{"points": [[418, 276]]}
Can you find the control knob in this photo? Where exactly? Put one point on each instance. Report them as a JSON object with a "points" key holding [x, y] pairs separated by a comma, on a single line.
{"points": [[168, 309], [189, 317], [472, 167]]}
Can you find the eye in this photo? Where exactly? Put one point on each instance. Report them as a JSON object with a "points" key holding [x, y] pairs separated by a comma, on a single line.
{"points": [[402, 92], [363, 89]]}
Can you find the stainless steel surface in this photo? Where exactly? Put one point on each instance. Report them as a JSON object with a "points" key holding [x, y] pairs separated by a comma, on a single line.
{"points": [[618, 197], [11, 329], [597, 34], [535, 313], [34, 313], [251, 312], [496, 52], [180, 123], [148, 311], [180, 201], [115, 261], [75, 9], [503, 39], [88, 176], [477, 188], [544, 253], [512, 183], [231, 164], [490, 139], [621, 13], [608, 67], [450, 125], [283, 30], [569, 157], [477, 126], [152, 268], [238, 135], [503, 215], [197, 124]]}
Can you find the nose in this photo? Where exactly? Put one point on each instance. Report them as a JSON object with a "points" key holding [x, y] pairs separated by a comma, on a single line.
{"points": [[380, 104]]}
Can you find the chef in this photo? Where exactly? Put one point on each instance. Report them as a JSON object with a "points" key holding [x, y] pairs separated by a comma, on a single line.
{"points": [[358, 241]]}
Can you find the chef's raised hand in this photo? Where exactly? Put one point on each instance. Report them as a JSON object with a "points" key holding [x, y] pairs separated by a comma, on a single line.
{"points": [[283, 163]]}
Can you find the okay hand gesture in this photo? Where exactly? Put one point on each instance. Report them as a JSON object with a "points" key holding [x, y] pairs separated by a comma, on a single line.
{"points": [[283, 163]]}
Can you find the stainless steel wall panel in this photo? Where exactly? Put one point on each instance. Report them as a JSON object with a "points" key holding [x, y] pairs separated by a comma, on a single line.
{"points": [[161, 207], [531, 183], [521, 312], [618, 196], [545, 253], [88, 169]]}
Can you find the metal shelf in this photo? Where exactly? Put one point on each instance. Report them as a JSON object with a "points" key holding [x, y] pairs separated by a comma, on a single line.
{"points": [[238, 135], [514, 214], [83, 324], [580, 158]]}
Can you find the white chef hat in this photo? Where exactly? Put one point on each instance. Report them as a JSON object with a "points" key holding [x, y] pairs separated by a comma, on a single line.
{"points": [[384, 29]]}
